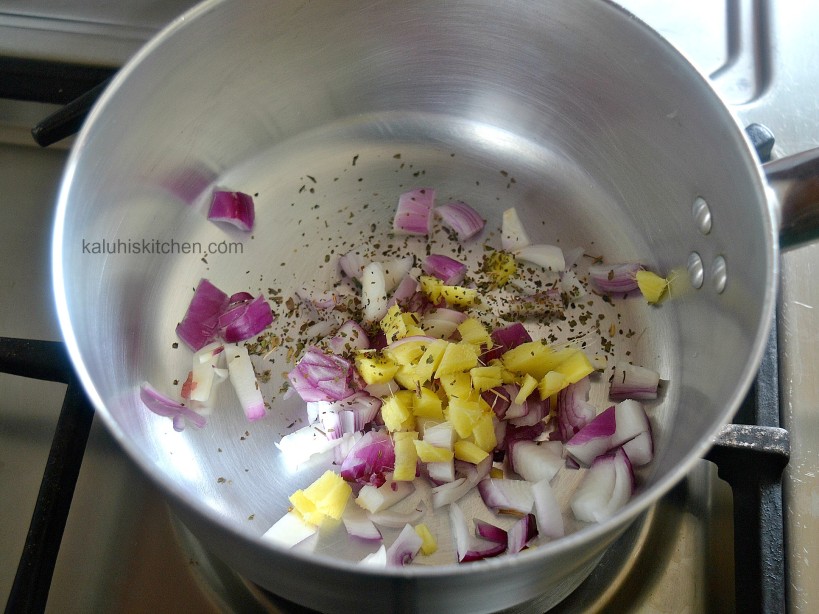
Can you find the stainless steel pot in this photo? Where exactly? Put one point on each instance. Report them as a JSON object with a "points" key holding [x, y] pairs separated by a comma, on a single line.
{"points": [[573, 112]]}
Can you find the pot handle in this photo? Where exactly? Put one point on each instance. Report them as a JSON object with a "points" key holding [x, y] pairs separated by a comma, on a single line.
{"points": [[795, 181]]}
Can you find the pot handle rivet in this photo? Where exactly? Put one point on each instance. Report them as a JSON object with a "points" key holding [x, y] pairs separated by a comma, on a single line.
{"points": [[719, 274], [696, 270], [702, 215]]}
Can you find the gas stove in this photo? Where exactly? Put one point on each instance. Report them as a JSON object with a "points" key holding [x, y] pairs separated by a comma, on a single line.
{"points": [[122, 548]]}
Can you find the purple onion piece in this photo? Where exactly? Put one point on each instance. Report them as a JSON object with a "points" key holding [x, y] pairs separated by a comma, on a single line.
{"points": [[350, 336], [489, 531], [606, 487], [594, 439], [233, 207], [369, 459], [323, 377], [163, 405], [633, 382], [614, 278], [507, 338], [521, 533], [249, 320], [461, 218], [547, 510], [201, 321], [413, 215], [447, 269], [404, 549], [573, 409], [503, 494]]}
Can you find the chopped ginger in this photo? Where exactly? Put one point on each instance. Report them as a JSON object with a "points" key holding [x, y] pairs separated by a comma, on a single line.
{"points": [[651, 285], [428, 543]]}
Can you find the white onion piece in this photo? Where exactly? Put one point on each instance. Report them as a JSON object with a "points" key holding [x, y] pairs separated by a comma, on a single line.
{"points": [[358, 524], [503, 494], [395, 520], [633, 382], [520, 534], [441, 472], [606, 487], [374, 291], [244, 382], [404, 549], [395, 271], [572, 256], [442, 323], [449, 492], [352, 264], [289, 530], [640, 450], [547, 510], [461, 218], [535, 462], [513, 234], [549, 257], [299, 446], [376, 559], [441, 435], [388, 494], [413, 215], [571, 286], [468, 547]]}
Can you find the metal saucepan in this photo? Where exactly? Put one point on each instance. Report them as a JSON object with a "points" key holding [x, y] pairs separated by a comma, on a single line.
{"points": [[575, 113]]}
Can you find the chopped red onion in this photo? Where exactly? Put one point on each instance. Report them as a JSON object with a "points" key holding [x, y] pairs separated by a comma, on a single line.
{"points": [[534, 462], [449, 492], [442, 322], [347, 416], [323, 377], [243, 378], [395, 520], [404, 293], [374, 499], [503, 494], [376, 559], [203, 373], [573, 409], [534, 411], [507, 338], [470, 548], [489, 531], [461, 218], [593, 439], [500, 398], [240, 297], [614, 278], [289, 530], [606, 487], [395, 271], [441, 472], [547, 510], [374, 291], [633, 382], [513, 234], [370, 459], [521, 533], [163, 405], [299, 446], [201, 321], [549, 257], [640, 450], [349, 337], [413, 216], [233, 207], [358, 524], [447, 269], [245, 320], [352, 264], [404, 549]]}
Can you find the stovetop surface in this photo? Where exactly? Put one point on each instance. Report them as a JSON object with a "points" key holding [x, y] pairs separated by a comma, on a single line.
{"points": [[123, 551]]}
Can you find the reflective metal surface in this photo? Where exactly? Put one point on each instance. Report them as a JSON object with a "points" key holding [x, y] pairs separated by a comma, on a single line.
{"points": [[134, 565]]}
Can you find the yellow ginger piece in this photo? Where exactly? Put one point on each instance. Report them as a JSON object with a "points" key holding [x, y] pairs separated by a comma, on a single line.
{"points": [[406, 458], [427, 404], [396, 411], [527, 386], [435, 289], [484, 433], [652, 286], [406, 353], [428, 543], [457, 358], [463, 414], [375, 368], [552, 383], [428, 453], [467, 451], [428, 361], [575, 367], [473, 331], [536, 358], [325, 498], [500, 267], [484, 378], [397, 324], [457, 386]]}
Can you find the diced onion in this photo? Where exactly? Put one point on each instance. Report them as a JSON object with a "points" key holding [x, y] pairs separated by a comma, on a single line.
{"points": [[513, 234], [163, 405], [549, 257], [614, 278], [404, 549], [244, 382], [358, 524], [413, 216], [504, 494], [633, 382], [245, 320], [447, 269], [201, 321], [323, 377], [461, 218], [547, 510], [289, 530], [233, 207], [606, 487]]}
